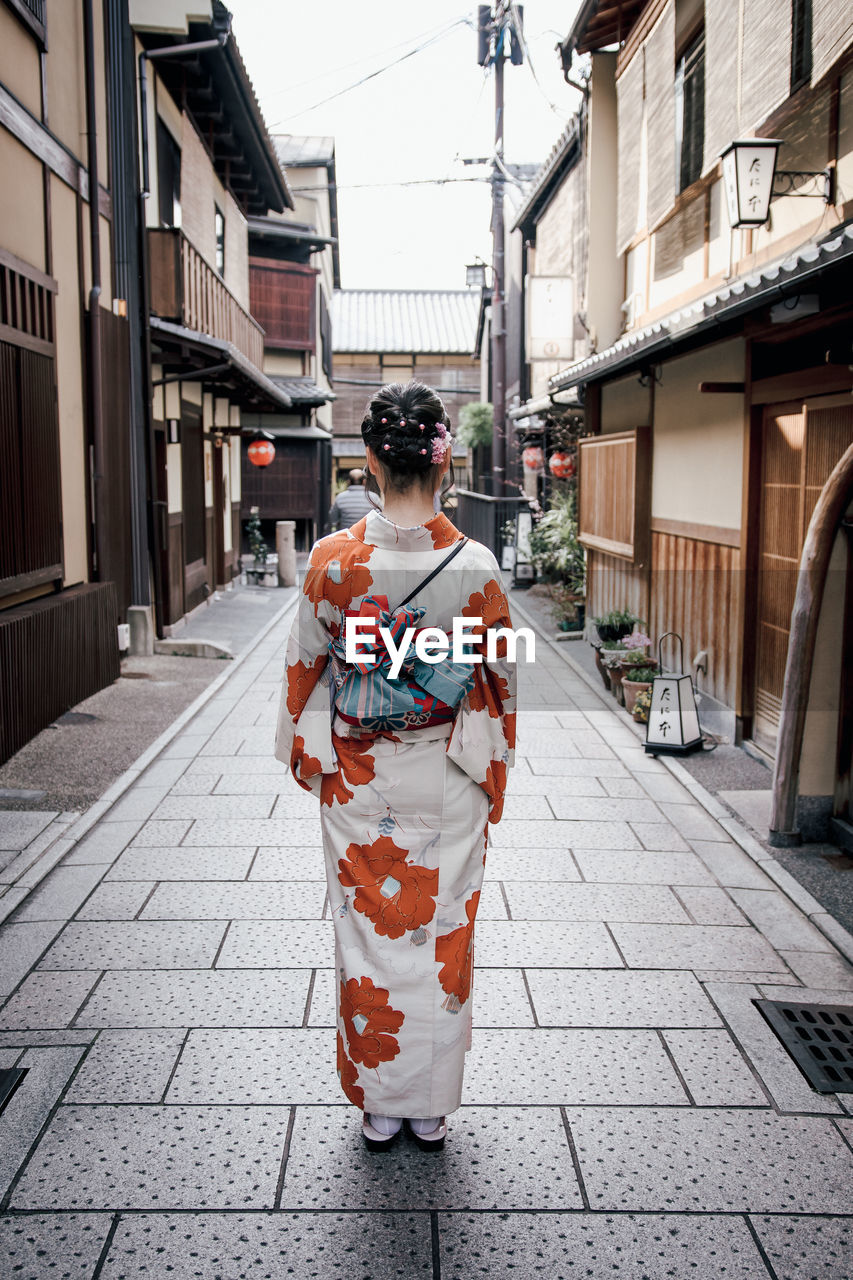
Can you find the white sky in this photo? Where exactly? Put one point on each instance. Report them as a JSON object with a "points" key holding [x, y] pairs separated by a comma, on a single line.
{"points": [[415, 121]]}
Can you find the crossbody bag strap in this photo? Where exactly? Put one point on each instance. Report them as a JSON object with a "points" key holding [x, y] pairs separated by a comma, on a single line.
{"points": [[457, 547]]}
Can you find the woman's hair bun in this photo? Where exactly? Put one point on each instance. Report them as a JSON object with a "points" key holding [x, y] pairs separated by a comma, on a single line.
{"points": [[407, 427]]}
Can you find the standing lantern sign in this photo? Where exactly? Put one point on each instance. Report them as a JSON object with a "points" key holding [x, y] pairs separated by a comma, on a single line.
{"points": [[673, 724]]}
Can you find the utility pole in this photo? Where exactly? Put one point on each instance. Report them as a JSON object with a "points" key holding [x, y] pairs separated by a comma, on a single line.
{"points": [[496, 30]]}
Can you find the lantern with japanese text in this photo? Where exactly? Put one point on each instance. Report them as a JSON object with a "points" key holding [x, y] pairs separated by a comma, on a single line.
{"points": [[749, 165], [561, 465], [261, 453], [673, 724], [533, 457]]}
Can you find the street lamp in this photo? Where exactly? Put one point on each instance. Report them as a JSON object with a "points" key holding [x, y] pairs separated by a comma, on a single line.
{"points": [[475, 275], [751, 180], [748, 168]]}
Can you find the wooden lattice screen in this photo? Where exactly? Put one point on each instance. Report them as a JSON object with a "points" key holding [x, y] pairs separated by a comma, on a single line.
{"points": [[615, 491]]}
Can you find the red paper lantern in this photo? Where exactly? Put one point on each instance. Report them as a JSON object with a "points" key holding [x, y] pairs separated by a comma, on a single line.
{"points": [[261, 453], [532, 457], [561, 465]]}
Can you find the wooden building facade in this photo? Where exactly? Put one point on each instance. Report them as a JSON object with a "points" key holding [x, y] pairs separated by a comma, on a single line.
{"points": [[724, 407]]}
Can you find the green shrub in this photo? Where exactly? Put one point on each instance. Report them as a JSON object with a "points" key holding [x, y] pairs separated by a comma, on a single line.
{"points": [[554, 547], [475, 425]]}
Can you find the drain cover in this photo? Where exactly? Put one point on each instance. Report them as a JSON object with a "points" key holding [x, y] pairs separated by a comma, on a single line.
{"points": [[819, 1037], [75, 717], [9, 1081]]}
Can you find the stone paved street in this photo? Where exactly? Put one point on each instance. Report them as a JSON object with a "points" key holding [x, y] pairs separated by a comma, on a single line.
{"points": [[627, 1111]]}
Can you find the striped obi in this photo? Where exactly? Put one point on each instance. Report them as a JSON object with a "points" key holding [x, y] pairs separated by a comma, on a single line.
{"points": [[423, 694]]}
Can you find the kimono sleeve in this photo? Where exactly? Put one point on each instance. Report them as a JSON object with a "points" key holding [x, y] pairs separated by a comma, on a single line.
{"points": [[483, 738], [303, 737]]}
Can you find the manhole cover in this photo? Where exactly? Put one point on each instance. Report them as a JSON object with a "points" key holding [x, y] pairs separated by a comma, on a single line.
{"points": [[819, 1037], [10, 1078], [135, 675], [75, 717]]}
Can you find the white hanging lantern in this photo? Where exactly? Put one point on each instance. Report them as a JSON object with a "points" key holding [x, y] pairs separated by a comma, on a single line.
{"points": [[748, 168], [673, 724]]}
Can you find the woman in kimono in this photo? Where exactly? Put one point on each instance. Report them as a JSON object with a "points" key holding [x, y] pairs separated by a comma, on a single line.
{"points": [[409, 768]]}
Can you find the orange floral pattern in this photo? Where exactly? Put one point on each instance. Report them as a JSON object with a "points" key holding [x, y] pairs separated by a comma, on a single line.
{"points": [[348, 1074], [443, 533], [337, 570], [488, 604], [301, 678], [302, 765], [396, 895], [369, 1022], [453, 953], [356, 766]]}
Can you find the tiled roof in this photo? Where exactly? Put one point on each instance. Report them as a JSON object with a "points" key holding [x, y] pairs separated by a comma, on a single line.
{"points": [[303, 392], [405, 320], [295, 151], [774, 282]]}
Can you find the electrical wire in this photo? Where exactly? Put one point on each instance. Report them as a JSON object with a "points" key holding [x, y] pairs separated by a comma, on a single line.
{"points": [[294, 115], [525, 49]]}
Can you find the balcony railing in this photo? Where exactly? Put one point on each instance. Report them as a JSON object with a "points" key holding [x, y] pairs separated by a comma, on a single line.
{"points": [[186, 290]]}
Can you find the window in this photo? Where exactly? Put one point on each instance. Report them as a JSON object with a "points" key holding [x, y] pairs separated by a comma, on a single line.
{"points": [[219, 229], [168, 177], [801, 43], [690, 111]]}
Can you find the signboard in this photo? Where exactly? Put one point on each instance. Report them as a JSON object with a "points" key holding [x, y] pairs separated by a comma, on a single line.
{"points": [[550, 317]]}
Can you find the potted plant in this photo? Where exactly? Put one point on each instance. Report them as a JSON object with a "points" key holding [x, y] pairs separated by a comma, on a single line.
{"points": [[634, 681], [642, 703], [616, 624]]}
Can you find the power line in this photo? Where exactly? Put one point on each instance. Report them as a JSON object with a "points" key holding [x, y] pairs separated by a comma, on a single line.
{"points": [[525, 49], [372, 186], [293, 115]]}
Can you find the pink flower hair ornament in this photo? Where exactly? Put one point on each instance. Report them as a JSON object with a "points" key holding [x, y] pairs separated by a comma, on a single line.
{"points": [[440, 445]]}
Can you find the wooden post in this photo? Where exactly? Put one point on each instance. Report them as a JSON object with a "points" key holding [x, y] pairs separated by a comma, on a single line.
{"points": [[805, 617]]}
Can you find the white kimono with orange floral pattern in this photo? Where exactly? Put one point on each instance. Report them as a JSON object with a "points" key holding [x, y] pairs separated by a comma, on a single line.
{"points": [[404, 814]]}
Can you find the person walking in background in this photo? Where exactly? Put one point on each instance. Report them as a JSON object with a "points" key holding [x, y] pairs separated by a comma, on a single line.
{"points": [[351, 503], [409, 771]]}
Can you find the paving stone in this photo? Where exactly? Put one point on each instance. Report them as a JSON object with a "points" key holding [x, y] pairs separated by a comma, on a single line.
{"points": [[659, 835], [801, 1248], [555, 865], [276, 781], [529, 784], [47, 1000], [127, 1066], [170, 831], [494, 1159], [626, 787], [710, 906], [236, 900], [499, 999], [820, 968], [665, 789], [782, 923], [562, 1246], [641, 867], [545, 945], [550, 766], [743, 976], [532, 808], [33, 1246], [262, 944], [193, 784], [103, 843], [228, 766], [138, 802], [212, 808], [197, 998], [286, 862], [135, 944], [324, 1245], [691, 946], [564, 835], [584, 1067], [105, 1157], [48, 1070], [20, 947], [18, 827], [29, 1038], [60, 894], [245, 1065], [711, 1161], [116, 901], [713, 1069], [619, 998], [180, 863], [610, 809], [543, 901], [167, 773], [300, 804], [254, 831], [786, 1083], [732, 867], [694, 822], [492, 905]]}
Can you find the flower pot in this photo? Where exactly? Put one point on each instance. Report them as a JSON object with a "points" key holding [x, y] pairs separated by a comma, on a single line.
{"points": [[613, 633], [616, 673], [602, 669], [630, 689]]}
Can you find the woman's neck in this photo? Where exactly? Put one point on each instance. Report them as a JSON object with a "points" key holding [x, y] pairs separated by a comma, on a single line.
{"points": [[413, 507]]}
